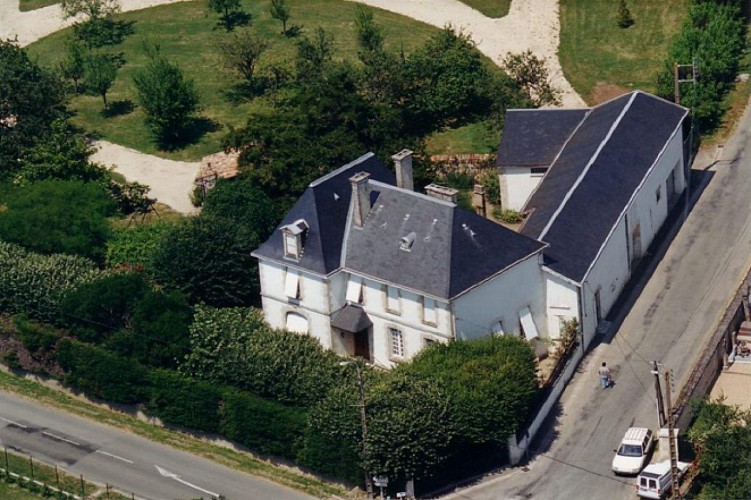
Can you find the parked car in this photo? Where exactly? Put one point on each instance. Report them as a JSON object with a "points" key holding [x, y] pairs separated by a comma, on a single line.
{"points": [[631, 455], [654, 481]]}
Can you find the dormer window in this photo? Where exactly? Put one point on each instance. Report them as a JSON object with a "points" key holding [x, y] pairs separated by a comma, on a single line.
{"points": [[293, 236], [405, 243]]}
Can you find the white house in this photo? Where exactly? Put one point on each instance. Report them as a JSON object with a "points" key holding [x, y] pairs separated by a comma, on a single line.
{"points": [[373, 269], [607, 191], [378, 271]]}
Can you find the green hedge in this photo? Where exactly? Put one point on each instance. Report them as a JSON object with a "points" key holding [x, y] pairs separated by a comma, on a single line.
{"points": [[102, 374], [183, 401], [34, 284]]}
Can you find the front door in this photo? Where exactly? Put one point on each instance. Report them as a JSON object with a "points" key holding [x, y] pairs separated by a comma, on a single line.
{"points": [[362, 344]]}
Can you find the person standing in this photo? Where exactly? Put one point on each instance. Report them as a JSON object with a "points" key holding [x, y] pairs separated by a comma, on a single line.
{"points": [[606, 378]]}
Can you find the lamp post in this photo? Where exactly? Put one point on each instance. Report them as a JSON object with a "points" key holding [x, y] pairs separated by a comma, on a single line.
{"points": [[363, 421]]}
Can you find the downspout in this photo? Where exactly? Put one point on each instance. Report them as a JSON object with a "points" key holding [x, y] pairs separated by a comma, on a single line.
{"points": [[581, 317]]}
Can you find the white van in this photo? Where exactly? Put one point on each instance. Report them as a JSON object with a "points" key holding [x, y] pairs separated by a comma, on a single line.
{"points": [[654, 481], [633, 451]]}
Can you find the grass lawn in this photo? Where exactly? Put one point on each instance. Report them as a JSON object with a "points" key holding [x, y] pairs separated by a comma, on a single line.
{"points": [[13, 492], [471, 138], [491, 8], [187, 33], [602, 60], [35, 4]]}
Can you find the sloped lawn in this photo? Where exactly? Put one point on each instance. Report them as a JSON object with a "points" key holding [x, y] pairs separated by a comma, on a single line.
{"points": [[602, 60], [187, 34], [491, 8]]}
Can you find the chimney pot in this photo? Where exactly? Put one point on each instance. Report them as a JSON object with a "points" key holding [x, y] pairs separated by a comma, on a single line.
{"points": [[360, 197], [442, 192], [403, 167]]}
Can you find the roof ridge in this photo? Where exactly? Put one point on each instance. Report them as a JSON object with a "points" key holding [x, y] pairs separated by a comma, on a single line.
{"points": [[412, 193], [589, 165], [451, 254], [341, 169]]}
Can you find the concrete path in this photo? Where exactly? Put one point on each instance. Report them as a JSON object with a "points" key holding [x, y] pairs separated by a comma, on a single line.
{"points": [[530, 25]]}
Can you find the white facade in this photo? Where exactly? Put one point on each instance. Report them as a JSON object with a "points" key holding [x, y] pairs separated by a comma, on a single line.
{"points": [[517, 185]]}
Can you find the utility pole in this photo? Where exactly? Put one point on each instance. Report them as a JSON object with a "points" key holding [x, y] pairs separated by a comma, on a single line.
{"points": [[363, 419], [658, 392], [671, 441], [678, 71]]}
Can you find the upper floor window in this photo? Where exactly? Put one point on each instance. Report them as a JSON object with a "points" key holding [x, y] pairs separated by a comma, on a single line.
{"points": [[538, 171], [393, 302], [397, 342], [292, 284], [294, 238], [429, 313]]}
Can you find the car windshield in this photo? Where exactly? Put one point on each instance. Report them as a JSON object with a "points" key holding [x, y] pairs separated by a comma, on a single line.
{"points": [[630, 450]]}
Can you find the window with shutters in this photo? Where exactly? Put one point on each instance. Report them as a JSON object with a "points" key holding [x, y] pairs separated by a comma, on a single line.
{"points": [[354, 290], [292, 284], [393, 300], [429, 313]]}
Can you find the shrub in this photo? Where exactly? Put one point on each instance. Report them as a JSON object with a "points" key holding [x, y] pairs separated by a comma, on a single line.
{"points": [[34, 284], [233, 346], [179, 400], [492, 185], [38, 339], [623, 18], [508, 216], [135, 245], [53, 216], [264, 426], [102, 374]]}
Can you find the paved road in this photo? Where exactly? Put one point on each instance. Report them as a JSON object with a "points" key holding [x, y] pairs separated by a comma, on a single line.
{"points": [[670, 322], [131, 463]]}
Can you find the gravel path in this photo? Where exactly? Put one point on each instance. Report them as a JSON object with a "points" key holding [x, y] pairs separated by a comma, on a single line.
{"points": [[530, 24]]}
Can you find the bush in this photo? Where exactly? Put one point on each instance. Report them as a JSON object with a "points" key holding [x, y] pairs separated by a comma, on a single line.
{"points": [[508, 215], [53, 216], [101, 374], [135, 245], [38, 339], [34, 284], [492, 185], [182, 401], [264, 426], [235, 347]]}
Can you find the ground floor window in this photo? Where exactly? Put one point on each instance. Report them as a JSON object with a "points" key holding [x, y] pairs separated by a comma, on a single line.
{"points": [[296, 323], [397, 342]]}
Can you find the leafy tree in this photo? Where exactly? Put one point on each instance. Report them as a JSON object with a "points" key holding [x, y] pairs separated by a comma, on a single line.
{"points": [[491, 383], [72, 67], [102, 307], [314, 54], [89, 9], [32, 99], [167, 97], [100, 71], [53, 216], [280, 11], [134, 246], [241, 52], [530, 73], [62, 154], [722, 439], [623, 18], [244, 203], [230, 12]]}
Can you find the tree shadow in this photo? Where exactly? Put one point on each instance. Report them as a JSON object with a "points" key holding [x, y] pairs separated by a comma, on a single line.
{"points": [[246, 91], [118, 108], [190, 134], [234, 19], [293, 31]]}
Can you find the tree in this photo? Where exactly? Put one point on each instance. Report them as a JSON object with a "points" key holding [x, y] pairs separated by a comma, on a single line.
{"points": [[369, 34], [230, 12], [168, 98], [89, 9], [63, 154], [314, 54], [280, 11], [624, 18], [100, 71], [491, 384], [54, 216], [530, 73], [244, 203], [31, 100], [72, 66], [241, 52]]}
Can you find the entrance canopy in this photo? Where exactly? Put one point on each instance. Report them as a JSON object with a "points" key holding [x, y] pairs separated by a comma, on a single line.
{"points": [[351, 319]]}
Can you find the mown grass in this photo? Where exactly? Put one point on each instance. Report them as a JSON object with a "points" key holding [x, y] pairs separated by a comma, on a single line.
{"points": [[231, 458], [25, 5], [470, 138], [14, 492], [490, 8], [187, 34], [602, 60]]}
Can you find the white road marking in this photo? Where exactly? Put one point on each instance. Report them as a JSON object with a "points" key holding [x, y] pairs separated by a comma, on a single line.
{"points": [[114, 456], [11, 422], [174, 476], [60, 438]]}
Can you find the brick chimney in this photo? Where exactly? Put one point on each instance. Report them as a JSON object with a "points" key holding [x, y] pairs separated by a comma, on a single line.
{"points": [[403, 167], [360, 197], [442, 192]]}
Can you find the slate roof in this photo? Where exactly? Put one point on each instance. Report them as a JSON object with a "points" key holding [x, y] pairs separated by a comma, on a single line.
{"points": [[585, 191], [351, 319], [452, 250], [324, 206], [533, 137]]}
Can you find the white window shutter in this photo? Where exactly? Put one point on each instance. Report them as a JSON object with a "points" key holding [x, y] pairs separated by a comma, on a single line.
{"points": [[296, 323], [292, 284], [393, 298], [354, 290], [429, 313], [528, 324]]}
